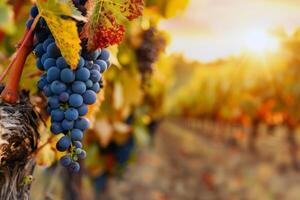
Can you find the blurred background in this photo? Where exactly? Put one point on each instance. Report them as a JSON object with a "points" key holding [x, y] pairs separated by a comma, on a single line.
{"points": [[202, 102]]}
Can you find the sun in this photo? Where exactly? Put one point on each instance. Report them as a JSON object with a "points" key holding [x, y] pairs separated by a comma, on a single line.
{"points": [[259, 41]]}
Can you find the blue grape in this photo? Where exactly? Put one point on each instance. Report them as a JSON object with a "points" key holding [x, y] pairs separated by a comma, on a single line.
{"points": [[104, 55], [102, 64], [82, 154], [81, 123], [96, 67], [53, 74], [57, 115], [56, 128], [80, 62], [64, 97], [77, 144], [89, 64], [53, 102], [47, 91], [49, 62], [76, 135], [95, 76], [47, 42], [44, 57], [38, 50], [71, 114], [39, 64], [78, 87], [65, 160], [42, 83], [63, 144], [74, 167], [67, 75], [58, 87], [89, 83], [53, 51], [29, 23], [96, 87], [34, 11], [82, 110], [67, 124], [82, 74], [61, 63], [91, 55], [75, 100], [89, 97]]}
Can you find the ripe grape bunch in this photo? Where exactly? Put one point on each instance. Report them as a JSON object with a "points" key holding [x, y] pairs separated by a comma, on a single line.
{"points": [[69, 92]]}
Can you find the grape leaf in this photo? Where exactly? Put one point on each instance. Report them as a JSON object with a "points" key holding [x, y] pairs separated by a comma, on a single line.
{"points": [[64, 30], [104, 26]]}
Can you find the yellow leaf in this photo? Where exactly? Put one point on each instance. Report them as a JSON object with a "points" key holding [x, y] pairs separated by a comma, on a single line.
{"points": [[64, 30]]}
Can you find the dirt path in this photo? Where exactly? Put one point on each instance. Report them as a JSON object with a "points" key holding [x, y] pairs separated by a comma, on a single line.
{"points": [[185, 165]]}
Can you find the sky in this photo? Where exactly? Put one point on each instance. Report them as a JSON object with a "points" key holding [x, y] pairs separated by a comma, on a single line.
{"points": [[212, 29]]}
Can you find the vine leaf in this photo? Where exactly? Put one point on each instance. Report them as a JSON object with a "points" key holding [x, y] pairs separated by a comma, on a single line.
{"points": [[104, 26], [63, 29]]}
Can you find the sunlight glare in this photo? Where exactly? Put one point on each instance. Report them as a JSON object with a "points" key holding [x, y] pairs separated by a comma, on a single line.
{"points": [[259, 41]]}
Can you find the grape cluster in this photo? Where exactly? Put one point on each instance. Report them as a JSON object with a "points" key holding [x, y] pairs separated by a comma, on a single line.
{"points": [[69, 92], [148, 53]]}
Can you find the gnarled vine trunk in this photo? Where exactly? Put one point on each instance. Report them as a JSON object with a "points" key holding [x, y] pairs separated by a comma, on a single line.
{"points": [[18, 140]]}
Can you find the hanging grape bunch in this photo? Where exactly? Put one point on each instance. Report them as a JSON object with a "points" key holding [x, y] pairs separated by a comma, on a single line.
{"points": [[69, 92], [148, 53]]}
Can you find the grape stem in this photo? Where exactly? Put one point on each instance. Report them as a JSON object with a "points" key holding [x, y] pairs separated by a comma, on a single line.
{"points": [[10, 92]]}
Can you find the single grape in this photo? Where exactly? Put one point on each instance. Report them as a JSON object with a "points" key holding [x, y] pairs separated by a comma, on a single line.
{"points": [[53, 50], [75, 100], [39, 64], [57, 115], [96, 87], [71, 114], [81, 123], [82, 110], [61, 63], [53, 74], [89, 84], [47, 91], [77, 144], [58, 87], [91, 55], [67, 75], [78, 87], [29, 23], [82, 154], [49, 62], [82, 74], [42, 83], [89, 64], [77, 151], [104, 55], [80, 62], [38, 50], [96, 67], [76, 135], [34, 11], [95, 76], [67, 124], [56, 128], [74, 167], [44, 57], [102, 64], [53, 102], [89, 97], [63, 144], [65, 160], [64, 97]]}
